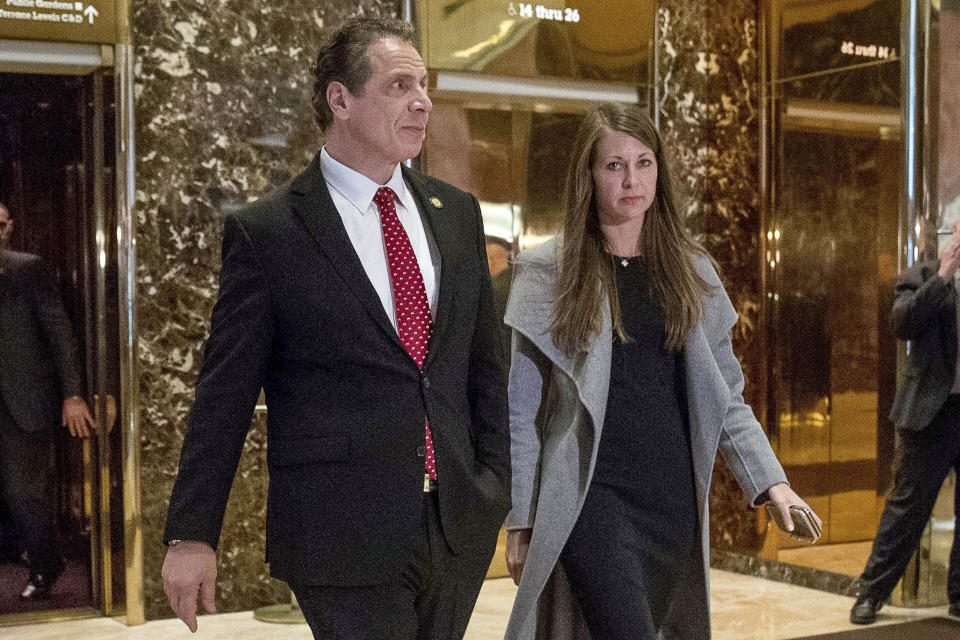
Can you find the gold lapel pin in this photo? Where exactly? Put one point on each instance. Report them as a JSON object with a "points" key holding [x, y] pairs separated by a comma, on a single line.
{"points": [[435, 201]]}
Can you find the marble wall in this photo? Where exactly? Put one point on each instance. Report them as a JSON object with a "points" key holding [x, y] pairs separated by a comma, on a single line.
{"points": [[710, 118], [223, 116]]}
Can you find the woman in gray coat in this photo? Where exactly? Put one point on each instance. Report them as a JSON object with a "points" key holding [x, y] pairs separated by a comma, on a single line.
{"points": [[623, 386]]}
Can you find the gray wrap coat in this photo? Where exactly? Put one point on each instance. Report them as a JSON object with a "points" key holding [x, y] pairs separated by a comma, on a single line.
{"points": [[557, 407]]}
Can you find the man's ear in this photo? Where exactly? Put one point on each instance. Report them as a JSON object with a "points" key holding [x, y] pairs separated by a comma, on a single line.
{"points": [[338, 97]]}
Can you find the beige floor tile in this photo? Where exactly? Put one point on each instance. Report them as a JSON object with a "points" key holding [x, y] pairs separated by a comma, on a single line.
{"points": [[743, 608]]}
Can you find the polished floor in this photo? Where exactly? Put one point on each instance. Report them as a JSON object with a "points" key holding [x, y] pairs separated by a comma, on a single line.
{"points": [[744, 608]]}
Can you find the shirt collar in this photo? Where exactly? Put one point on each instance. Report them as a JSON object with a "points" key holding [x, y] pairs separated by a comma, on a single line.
{"points": [[358, 188]]}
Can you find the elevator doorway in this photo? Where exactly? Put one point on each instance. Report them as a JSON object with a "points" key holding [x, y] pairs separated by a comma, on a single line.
{"points": [[833, 160], [57, 181]]}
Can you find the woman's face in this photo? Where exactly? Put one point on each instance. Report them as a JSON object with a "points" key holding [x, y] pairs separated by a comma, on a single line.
{"points": [[624, 178]]}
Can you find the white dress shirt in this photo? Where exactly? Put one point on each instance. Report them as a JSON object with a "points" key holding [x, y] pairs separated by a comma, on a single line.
{"points": [[352, 194]]}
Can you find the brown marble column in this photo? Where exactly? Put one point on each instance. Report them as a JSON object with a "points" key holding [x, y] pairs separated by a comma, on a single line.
{"points": [[709, 115]]}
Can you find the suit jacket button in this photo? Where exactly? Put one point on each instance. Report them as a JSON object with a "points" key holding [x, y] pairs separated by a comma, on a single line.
{"points": [[426, 382], [422, 451]]}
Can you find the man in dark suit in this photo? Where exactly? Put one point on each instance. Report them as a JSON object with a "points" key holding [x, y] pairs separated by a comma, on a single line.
{"points": [[359, 299], [926, 412], [39, 385]]}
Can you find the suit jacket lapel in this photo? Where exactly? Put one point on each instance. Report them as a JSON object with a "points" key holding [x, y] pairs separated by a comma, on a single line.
{"points": [[442, 237], [311, 201]]}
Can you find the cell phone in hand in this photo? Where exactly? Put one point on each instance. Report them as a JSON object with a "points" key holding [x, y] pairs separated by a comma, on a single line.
{"points": [[804, 524]]}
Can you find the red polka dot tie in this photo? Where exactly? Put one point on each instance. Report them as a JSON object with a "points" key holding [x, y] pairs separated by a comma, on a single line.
{"points": [[409, 295]]}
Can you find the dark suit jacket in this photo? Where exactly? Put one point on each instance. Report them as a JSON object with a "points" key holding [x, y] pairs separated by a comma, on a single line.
{"points": [[297, 315], [39, 365], [925, 313]]}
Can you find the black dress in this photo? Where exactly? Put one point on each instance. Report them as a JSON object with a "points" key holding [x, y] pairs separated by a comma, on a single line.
{"points": [[637, 537]]}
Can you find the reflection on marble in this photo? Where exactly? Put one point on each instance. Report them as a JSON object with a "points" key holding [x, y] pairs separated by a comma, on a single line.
{"points": [[754, 565], [223, 116], [846, 558], [710, 123], [742, 608]]}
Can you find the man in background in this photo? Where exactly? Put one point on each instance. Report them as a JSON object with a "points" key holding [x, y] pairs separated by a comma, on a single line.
{"points": [[40, 386], [926, 412]]}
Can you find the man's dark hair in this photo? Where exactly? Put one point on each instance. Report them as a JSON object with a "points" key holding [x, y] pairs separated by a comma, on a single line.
{"points": [[343, 58]]}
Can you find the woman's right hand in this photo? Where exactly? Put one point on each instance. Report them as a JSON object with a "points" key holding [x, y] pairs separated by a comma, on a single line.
{"points": [[518, 542]]}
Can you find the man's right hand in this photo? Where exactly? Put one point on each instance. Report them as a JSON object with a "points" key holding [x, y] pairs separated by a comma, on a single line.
{"points": [[518, 543], [190, 571], [950, 259]]}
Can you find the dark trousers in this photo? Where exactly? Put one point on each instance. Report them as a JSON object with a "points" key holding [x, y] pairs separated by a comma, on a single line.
{"points": [[924, 460], [26, 460], [431, 599], [626, 581]]}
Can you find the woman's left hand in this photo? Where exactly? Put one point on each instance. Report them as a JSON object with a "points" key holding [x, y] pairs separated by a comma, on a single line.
{"points": [[783, 497]]}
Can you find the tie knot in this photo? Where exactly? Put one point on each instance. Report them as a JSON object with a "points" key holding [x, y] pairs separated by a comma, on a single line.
{"points": [[384, 195]]}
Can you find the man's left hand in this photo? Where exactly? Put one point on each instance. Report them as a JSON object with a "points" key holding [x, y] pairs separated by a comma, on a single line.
{"points": [[77, 418], [783, 497]]}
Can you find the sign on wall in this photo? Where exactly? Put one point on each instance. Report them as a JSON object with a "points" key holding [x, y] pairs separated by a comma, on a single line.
{"points": [[59, 20]]}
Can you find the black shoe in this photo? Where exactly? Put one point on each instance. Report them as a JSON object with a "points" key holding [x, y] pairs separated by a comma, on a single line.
{"points": [[40, 585], [954, 610], [864, 610]]}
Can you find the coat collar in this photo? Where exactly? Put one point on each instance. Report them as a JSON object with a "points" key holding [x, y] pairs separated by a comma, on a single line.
{"points": [[530, 311], [311, 202], [445, 236]]}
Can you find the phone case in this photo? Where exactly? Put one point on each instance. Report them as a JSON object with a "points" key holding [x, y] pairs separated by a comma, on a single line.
{"points": [[804, 524]]}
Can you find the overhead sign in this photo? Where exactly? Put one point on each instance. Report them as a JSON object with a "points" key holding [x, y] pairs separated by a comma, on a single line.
{"points": [[608, 41], [59, 20]]}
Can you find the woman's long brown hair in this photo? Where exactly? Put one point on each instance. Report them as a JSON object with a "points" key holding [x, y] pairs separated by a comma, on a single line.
{"points": [[587, 275]]}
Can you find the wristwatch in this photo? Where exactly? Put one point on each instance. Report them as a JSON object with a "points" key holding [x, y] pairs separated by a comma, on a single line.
{"points": [[173, 543]]}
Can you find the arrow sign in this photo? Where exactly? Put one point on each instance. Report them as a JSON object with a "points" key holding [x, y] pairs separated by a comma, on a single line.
{"points": [[91, 12]]}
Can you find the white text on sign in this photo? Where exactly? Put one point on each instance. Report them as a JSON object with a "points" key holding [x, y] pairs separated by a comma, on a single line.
{"points": [[527, 10], [76, 9], [868, 50]]}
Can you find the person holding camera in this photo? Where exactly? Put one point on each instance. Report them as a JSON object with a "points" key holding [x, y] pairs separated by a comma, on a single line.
{"points": [[926, 413]]}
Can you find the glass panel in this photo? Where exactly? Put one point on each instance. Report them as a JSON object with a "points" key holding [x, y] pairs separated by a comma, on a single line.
{"points": [[42, 184], [820, 38], [595, 40], [832, 266], [59, 187], [514, 159], [834, 262]]}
